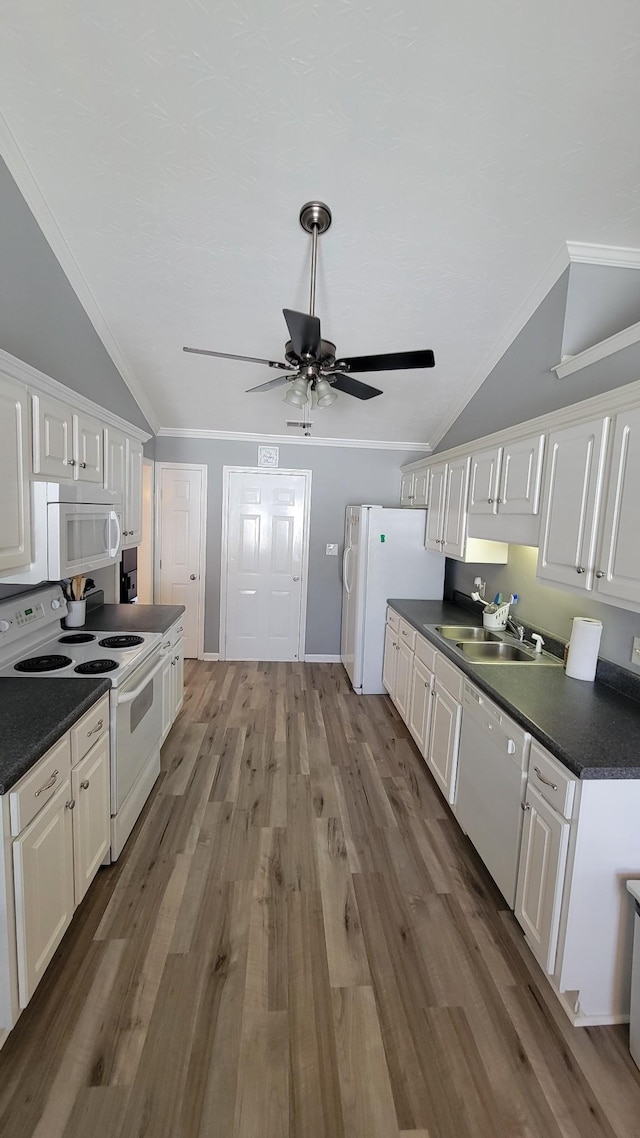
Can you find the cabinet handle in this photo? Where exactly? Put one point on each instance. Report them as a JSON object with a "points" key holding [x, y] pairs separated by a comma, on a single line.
{"points": [[192, 576], [490, 501], [600, 574], [71, 804], [176, 658], [579, 569], [47, 785], [71, 462], [84, 785], [167, 645], [499, 501], [181, 629], [397, 647], [98, 727], [525, 806], [173, 663], [83, 465], [553, 785]]}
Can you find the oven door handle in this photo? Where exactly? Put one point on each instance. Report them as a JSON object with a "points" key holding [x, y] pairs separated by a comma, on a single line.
{"points": [[113, 517], [131, 695]]}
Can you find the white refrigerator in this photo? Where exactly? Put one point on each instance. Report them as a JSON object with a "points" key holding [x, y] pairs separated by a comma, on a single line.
{"points": [[384, 556]]}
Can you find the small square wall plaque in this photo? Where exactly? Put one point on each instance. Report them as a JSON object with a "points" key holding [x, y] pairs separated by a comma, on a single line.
{"points": [[268, 456]]}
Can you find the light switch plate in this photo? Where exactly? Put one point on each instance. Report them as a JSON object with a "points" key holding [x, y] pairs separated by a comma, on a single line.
{"points": [[332, 550], [635, 651]]}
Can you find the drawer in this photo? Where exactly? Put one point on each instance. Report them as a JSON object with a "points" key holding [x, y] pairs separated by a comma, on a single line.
{"points": [[450, 677], [393, 619], [407, 633], [551, 780], [31, 793], [425, 652], [91, 727]]}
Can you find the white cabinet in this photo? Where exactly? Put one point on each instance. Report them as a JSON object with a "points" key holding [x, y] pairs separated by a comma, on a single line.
{"points": [[413, 488], [90, 790], [617, 572], [506, 479], [571, 503], [543, 859], [419, 720], [115, 461], [66, 444], [15, 515], [446, 526], [402, 691], [390, 659], [444, 737], [172, 676], [435, 507], [397, 665], [132, 526]]}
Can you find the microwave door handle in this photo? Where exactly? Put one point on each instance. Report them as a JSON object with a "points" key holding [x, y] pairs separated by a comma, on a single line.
{"points": [[113, 517], [131, 695]]}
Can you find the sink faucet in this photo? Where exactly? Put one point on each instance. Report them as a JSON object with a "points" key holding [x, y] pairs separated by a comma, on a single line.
{"points": [[516, 629]]}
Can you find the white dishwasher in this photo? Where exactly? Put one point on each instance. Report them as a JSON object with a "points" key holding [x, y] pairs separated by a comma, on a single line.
{"points": [[492, 775]]}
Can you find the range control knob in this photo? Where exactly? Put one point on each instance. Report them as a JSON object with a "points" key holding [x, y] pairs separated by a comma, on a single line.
{"points": [[4, 626], [55, 604]]}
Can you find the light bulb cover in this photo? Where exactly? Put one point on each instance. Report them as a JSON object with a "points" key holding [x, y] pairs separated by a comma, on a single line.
{"points": [[325, 394], [298, 393]]}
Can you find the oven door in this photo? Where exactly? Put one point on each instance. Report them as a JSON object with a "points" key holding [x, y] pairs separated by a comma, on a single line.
{"points": [[136, 726], [81, 537]]}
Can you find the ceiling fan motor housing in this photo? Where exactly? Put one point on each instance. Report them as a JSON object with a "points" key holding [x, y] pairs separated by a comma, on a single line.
{"points": [[326, 357]]}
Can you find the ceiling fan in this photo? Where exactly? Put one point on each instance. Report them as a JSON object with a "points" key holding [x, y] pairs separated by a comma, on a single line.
{"points": [[312, 368]]}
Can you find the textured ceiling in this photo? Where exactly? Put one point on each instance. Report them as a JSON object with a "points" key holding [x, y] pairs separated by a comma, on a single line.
{"points": [[459, 144]]}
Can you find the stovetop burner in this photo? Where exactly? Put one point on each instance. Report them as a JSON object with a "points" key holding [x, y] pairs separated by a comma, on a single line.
{"points": [[121, 641], [43, 664], [77, 638], [95, 667]]}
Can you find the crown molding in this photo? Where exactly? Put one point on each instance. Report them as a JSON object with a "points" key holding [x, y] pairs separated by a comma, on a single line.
{"points": [[532, 301], [247, 437], [626, 338], [29, 188], [615, 256], [39, 381]]}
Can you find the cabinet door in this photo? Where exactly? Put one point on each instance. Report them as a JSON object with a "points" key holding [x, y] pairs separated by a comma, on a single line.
{"points": [[52, 438], [406, 489], [543, 858], [454, 532], [521, 477], [88, 449], [444, 737], [404, 667], [178, 677], [420, 704], [484, 480], [420, 487], [435, 507], [90, 789], [571, 503], [618, 568], [15, 513], [389, 659], [43, 880], [167, 693], [115, 462], [132, 534]]}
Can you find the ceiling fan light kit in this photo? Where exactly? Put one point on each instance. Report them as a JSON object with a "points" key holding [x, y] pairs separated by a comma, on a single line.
{"points": [[311, 368]]}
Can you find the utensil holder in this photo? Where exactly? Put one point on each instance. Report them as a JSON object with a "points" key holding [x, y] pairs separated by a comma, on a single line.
{"points": [[495, 616], [76, 613]]}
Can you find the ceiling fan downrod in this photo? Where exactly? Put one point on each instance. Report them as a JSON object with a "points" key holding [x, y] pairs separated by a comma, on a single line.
{"points": [[315, 218]]}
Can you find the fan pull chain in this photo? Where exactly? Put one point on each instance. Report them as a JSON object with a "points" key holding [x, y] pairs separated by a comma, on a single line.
{"points": [[314, 256]]}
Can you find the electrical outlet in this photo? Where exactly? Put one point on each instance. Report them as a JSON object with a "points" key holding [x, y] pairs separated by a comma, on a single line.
{"points": [[332, 550], [635, 650]]}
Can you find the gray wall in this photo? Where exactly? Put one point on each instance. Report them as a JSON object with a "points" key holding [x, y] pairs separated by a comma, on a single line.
{"points": [[341, 476], [549, 608], [522, 386], [41, 319]]}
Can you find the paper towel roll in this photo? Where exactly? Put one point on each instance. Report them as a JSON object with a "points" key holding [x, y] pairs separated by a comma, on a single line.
{"points": [[583, 648]]}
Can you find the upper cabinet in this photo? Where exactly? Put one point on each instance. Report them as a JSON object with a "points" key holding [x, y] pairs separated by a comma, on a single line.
{"points": [[66, 444], [413, 488], [446, 527], [618, 561], [132, 522], [504, 491], [15, 517], [115, 461]]}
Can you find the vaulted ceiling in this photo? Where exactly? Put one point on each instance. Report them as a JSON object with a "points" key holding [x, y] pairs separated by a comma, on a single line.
{"points": [[167, 147]]}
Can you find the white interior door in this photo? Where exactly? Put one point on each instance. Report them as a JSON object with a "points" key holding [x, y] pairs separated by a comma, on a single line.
{"points": [[264, 564], [182, 495]]}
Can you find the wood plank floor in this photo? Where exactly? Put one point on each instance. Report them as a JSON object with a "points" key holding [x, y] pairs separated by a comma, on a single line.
{"points": [[298, 941]]}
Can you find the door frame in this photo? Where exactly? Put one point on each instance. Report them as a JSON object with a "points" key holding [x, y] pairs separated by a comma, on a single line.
{"points": [[159, 467], [227, 471]]}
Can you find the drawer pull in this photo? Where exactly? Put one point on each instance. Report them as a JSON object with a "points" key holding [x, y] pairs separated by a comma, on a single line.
{"points": [[579, 569], [47, 785], [84, 785], [525, 806], [553, 785], [181, 629], [71, 804], [83, 465], [600, 574], [98, 727]]}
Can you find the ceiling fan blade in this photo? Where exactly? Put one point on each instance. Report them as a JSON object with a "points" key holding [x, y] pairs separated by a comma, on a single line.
{"points": [[391, 361], [353, 386], [304, 332], [230, 356], [277, 382]]}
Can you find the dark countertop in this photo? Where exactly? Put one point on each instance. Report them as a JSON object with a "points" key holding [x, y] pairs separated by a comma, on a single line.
{"points": [[35, 713], [132, 618], [592, 729]]}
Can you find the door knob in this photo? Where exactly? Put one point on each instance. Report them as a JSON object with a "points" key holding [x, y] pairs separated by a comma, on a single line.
{"points": [[192, 576], [296, 578]]}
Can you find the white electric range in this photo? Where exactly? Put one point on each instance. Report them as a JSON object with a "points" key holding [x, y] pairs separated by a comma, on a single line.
{"points": [[32, 644]]}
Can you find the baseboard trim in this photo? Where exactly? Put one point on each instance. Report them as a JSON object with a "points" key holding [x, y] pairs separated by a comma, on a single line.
{"points": [[321, 658], [210, 655]]}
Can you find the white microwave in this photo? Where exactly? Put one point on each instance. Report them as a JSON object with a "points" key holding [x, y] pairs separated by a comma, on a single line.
{"points": [[76, 529]]}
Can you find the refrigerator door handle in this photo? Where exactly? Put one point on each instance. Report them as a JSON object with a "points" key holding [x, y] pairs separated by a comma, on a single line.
{"points": [[345, 580]]}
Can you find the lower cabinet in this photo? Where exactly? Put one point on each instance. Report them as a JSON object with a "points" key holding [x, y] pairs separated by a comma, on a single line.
{"points": [[172, 676], [543, 860], [444, 738], [419, 719], [91, 816]]}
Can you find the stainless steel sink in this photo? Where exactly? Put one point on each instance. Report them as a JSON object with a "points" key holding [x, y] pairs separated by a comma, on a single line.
{"points": [[460, 632], [502, 653]]}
